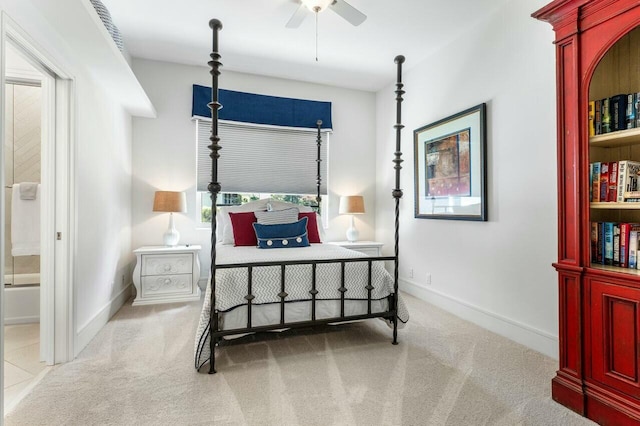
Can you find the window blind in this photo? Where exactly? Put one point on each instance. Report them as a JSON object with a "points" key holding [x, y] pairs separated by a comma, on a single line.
{"points": [[262, 159]]}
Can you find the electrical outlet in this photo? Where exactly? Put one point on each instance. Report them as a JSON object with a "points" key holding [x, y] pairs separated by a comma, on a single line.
{"points": [[428, 279], [411, 273]]}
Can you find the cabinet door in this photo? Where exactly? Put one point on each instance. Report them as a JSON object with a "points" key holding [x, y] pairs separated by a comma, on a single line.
{"points": [[615, 328]]}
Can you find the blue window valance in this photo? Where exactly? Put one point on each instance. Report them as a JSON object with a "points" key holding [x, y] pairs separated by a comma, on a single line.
{"points": [[262, 109]]}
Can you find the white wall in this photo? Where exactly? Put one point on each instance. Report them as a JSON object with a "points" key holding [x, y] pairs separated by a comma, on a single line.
{"points": [[102, 139], [496, 273], [164, 149]]}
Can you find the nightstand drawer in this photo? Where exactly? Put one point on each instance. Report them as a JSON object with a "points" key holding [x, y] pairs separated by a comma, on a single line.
{"points": [[166, 284], [167, 264], [372, 251]]}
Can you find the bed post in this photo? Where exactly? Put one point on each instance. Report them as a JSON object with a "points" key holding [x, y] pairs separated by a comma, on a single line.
{"points": [[318, 162], [397, 192], [214, 186]]}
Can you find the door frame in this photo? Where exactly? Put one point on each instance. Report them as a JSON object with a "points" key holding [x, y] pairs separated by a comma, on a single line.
{"points": [[58, 165]]}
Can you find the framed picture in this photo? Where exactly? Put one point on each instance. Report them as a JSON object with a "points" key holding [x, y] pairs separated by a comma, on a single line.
{"points": [[450, 167]]}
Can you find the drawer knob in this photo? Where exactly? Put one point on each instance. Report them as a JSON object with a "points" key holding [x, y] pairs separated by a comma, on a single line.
{"points": [[167, 267], [167, 281]]}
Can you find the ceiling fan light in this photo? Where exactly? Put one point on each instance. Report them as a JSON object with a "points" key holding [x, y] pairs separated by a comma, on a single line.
{"points": [[320, 5]]}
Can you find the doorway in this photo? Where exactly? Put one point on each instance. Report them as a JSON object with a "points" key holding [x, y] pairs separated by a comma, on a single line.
{"points": [[24, 356], [42, 317]]}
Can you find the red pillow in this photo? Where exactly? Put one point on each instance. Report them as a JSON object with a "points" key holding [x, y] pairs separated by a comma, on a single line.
{"points": [[312, 226], [243, 233]]}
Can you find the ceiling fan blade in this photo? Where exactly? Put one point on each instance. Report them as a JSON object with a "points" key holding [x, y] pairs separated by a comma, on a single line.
{"points": [[348, 12], [298, 17]]}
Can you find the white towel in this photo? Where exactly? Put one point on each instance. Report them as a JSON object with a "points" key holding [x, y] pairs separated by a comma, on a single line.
{"points": [[25, 224]]}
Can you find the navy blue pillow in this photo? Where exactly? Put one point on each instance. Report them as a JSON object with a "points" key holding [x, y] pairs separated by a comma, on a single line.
{"points": [[282, 235]]}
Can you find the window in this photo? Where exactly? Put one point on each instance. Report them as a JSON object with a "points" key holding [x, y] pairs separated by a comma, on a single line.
{"points": [[228, 199], [260, 162]]}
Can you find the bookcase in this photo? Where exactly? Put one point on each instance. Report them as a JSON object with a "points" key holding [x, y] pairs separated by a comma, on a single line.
{"points": [[597, 46]]}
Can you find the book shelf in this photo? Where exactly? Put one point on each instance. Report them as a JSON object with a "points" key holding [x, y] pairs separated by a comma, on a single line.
{"points": [[597, 46], [616, 139], [616, 269], [616, 206]]}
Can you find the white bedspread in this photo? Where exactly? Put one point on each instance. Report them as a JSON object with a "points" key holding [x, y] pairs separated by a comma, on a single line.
{"points": [[231, 284]]}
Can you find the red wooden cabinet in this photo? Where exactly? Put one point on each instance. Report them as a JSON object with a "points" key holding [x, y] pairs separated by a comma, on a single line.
{"points": [[615, 328], [597, 56]]}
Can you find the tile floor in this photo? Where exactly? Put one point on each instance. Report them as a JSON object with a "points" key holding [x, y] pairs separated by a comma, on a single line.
{"points": [[21, 360]]}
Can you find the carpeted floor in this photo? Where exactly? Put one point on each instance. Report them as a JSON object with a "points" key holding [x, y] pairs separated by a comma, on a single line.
{"points": [[445, 371]]}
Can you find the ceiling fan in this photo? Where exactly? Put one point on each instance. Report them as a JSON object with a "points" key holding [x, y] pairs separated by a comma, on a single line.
{"points": [[341, 7]]}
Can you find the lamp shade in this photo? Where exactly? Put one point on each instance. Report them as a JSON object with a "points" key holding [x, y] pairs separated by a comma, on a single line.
{"points": [[351, 204], [170, 201]]}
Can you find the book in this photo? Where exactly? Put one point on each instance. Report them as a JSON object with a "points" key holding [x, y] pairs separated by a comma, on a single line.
{"points": [[595, 183], [616, 244], [594, 242], [591, 117], [633, 249], [622, 182], [605, 116], [608, 243], [597, 117], [636, 100], [591, 182], [618, 107], [612, 195], [632, 174], [601, 243], [625, 231], [631, 110], [604, 181]]}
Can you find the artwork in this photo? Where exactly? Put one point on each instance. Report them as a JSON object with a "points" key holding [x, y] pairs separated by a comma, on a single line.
{"points": [[447, 164], [450, 167]]}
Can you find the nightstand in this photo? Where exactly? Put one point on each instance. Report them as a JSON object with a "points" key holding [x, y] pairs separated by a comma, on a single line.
{"points": [[370, 248], [166, 274]]}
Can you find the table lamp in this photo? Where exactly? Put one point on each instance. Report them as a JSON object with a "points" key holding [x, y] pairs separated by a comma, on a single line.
{"points": [[171, 202], [351, 204]]}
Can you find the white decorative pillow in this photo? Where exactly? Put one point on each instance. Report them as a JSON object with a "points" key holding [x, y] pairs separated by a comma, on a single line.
{"points": [[277, 217], [274, 205], [320, 223], [225, 220]]}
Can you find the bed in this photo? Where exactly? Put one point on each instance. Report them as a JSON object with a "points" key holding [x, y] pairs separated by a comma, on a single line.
{"points": [[287, 278]]}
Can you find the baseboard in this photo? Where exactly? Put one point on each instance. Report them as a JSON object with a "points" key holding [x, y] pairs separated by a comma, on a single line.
{"points": [[95, 324], [21, 320], [526, 335]]}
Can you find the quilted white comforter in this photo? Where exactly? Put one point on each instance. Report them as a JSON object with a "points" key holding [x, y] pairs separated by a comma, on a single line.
{"points": [[231, 284]]}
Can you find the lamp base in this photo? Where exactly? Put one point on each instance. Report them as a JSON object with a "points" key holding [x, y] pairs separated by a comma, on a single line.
{"points": [[352, 233], [171, 236]]}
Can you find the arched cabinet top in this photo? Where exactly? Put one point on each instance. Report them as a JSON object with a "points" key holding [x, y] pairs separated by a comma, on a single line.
{"points": [[590, 28], [571, 17]]}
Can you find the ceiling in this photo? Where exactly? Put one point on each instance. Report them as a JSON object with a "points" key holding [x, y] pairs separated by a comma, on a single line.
{"points": [[254, 38]]}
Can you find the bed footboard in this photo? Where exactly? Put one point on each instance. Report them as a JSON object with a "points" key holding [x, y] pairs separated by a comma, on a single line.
{"points": [[390, 314]]}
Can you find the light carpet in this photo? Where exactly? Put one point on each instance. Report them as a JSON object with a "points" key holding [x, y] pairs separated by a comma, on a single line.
{"points": [[445, 371]]}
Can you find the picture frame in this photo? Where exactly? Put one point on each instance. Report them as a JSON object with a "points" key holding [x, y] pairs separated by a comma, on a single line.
{"points": [[451, 167]]}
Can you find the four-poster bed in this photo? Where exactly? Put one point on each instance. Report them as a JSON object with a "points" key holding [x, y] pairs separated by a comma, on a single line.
{"points": [[255, 289]]}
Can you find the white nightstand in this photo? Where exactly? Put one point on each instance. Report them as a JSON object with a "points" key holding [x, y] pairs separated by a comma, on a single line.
{"points": [[371, 248], [166, 274]]}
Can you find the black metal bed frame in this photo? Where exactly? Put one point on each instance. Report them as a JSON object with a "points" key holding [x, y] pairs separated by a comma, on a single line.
{"points": [[214, 187]]}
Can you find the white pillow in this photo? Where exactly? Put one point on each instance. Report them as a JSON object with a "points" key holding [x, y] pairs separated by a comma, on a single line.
{"points": [[226, 237], [283, 205], [320, 227], [276, 217]]}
